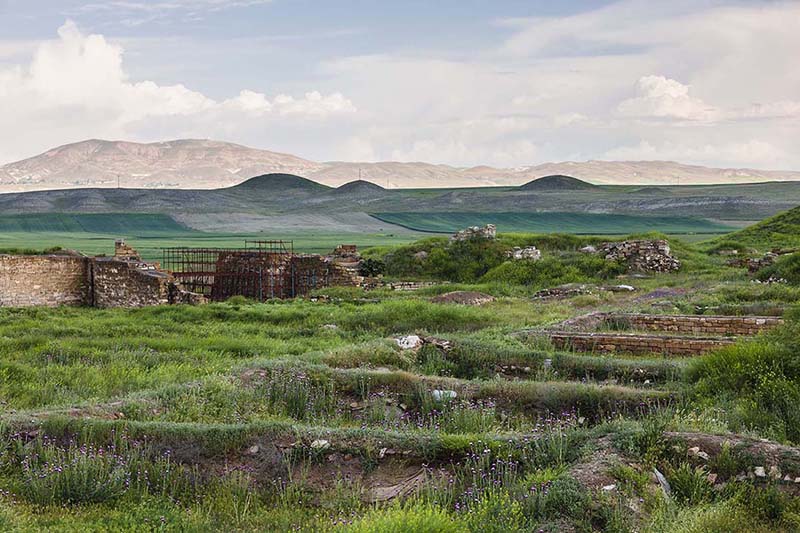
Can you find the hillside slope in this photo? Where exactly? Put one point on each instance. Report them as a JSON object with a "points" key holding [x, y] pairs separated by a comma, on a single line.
{"points": [[779, 231], [206, 164]]}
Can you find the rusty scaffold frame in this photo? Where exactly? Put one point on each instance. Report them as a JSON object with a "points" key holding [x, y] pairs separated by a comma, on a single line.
{"points": [[261, 270]]}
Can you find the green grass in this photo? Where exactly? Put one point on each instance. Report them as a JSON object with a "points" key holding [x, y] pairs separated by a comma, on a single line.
{"points": [[779, 231], [552, 222], [150, 244], [122, 223]]}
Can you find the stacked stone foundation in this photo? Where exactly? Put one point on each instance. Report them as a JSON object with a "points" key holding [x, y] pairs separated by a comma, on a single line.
{"points": [[677, 335]]}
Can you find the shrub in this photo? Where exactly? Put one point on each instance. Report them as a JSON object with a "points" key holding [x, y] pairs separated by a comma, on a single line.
{"points": [[74, 475], [690, 485], [759, 380], [786, 267], [497, 512], [407, 519]]}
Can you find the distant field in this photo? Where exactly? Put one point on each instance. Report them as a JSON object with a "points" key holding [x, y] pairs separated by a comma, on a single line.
{"points": [[124, 223], [150, 245], [556, 222]]}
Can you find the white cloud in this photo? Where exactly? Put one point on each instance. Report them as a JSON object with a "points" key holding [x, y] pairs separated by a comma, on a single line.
{"points": [[76, 87], [662, 97]]}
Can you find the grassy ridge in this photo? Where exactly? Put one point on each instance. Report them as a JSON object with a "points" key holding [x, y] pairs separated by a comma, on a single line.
{"points": [[549, 222], [782, 230]]}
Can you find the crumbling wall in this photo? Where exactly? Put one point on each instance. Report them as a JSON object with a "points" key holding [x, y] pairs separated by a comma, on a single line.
{"points": [[128, 284], [642, 255], [529, 253], [47, 280], [685, 324], [636, 344], [489, 231]]}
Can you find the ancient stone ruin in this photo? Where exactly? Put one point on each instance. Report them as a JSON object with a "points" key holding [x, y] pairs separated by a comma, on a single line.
{"points": [[489, 231], [125, 280], [642, 255], [70, 278], [529, 253], [632, 333]]}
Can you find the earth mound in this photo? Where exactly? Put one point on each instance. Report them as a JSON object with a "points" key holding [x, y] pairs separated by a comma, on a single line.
{"points": [[359, 188], [280, 182], [463, 298], [557, 182]]}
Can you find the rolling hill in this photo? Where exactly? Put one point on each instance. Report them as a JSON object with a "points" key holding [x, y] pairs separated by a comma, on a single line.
{"points": [[206, 164], [557, 182], [779, 231]]}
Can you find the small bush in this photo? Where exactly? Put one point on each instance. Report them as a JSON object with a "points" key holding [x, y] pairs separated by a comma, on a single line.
{"points": [[690, 485], [407, 519]]}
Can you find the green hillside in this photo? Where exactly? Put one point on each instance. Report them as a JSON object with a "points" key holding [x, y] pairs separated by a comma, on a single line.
{"points": [[118, 223], [551, 222], [780, 231]]}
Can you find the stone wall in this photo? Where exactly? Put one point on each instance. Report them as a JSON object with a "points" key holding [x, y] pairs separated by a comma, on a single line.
{"points": [[73, 279], [642, 256], [699, 324], [47, 280], [686, 324], [128, 284], [679, 335], [636, 344]]}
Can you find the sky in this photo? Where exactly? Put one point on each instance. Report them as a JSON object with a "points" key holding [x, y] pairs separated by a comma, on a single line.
{"points": [[504, 83]]}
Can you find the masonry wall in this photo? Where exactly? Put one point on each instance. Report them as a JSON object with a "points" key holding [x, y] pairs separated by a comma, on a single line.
{"points": [[126, 284], [46, 280], [636, 344], [684, 324]]}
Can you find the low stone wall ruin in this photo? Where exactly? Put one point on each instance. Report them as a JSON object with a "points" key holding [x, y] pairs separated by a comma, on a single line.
{"points": [[636, 344], [632, 333], [685, 324], [128, 284]]}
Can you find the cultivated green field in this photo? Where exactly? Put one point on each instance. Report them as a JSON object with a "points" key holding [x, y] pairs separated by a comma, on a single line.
{"points": [[553, 222], [94, 234]]}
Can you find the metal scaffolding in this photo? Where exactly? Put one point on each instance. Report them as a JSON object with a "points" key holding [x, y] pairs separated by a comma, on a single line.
{"points": [[261, 270]]}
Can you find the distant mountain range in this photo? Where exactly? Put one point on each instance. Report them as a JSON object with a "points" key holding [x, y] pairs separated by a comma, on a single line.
{"points": [[205, 164]]}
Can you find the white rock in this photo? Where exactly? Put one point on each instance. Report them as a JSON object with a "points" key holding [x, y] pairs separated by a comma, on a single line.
{"points": [[608, 488], [409, 342], [320, 444], [760, 471], [440, 395]]}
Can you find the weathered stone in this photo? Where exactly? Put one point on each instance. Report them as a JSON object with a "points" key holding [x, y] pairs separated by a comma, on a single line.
{"points": [[529, 253], [642, 255], [409, 342], [489, 232]]}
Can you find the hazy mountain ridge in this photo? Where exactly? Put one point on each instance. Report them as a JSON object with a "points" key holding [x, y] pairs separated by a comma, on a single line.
{"points": [[205, 164]]}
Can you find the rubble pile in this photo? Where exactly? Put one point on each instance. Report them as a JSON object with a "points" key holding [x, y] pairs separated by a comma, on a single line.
{"points": [[642, 255], [529, 253], [489, 232]]}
